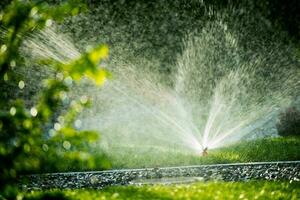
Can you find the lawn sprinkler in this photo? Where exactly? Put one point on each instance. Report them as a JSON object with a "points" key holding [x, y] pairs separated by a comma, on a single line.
{"points": [[204, 152]]}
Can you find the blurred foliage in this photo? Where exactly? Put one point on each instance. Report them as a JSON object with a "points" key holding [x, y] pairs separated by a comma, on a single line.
{"points": [[48, 195], [201, 190], [289, 122], [26, 141]]}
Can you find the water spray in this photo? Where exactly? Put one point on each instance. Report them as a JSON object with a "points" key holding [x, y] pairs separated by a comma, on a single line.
{"points": [[229, 96]]}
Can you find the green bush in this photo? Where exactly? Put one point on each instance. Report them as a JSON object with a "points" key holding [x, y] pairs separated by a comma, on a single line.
{"points": [[289, 122]]}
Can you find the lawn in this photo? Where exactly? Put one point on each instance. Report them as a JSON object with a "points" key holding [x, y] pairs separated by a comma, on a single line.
{"points": [[268, 149], [207, 190], [260, 150]]}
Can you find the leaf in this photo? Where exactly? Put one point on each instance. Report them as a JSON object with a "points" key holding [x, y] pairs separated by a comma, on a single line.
{"points": [[98, 54], [99, 76]]}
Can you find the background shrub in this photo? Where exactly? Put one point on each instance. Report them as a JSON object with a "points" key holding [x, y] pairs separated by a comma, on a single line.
{"points": [[289, 122]]}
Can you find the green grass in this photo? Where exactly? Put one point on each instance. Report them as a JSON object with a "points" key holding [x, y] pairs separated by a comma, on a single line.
{"points": [[208, 190], [269, 149]]}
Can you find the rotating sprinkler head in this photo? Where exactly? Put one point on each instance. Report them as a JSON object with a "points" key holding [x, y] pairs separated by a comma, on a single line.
{"points": [[204, 152]]}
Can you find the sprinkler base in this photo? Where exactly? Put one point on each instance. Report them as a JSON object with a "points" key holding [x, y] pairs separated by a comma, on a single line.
{"points": [[204, 152]]}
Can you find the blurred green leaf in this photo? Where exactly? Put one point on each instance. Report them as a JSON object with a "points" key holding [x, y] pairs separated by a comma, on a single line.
{"points": [[36, 136]]}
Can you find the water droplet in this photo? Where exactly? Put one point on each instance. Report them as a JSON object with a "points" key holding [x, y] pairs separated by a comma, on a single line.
{"points": [[13, 111], [115, 195], [68, 80], [3, 48], [33, 111], [84, 99], [16, 142], [63, 95], [49, 22], [78, 123], [21, 84], [20, 196], [88, 48], [78, 107], [12, 63], [60, 76], [52, 133], [57, 126], [5, 77], [61, 119], [45, 147], [33, 11], [73, 103], [67, 145]]}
